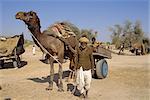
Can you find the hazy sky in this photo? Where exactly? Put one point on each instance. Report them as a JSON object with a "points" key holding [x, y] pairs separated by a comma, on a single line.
{"points": [[98, 15]]}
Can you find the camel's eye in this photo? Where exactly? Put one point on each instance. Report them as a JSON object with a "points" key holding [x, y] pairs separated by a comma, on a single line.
{"points": [[24, 14]]}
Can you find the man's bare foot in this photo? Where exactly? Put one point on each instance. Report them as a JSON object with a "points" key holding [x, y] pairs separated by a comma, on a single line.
{"points": [[82, 96], [86, 94]]}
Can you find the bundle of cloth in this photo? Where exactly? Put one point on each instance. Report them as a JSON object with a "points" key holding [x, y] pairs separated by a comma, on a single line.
{"points": [[60, 29], [7, 45]]}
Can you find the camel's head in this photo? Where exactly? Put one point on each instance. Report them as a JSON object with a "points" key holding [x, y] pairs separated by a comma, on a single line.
{"points": [[30, 18], [21, 15]]}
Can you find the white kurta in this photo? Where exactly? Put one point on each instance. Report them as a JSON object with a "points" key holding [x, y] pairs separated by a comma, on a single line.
{"points": [[33, 50]]}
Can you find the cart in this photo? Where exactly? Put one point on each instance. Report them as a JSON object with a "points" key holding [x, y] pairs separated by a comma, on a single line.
{"points": [[101, 66], [10, 49]]}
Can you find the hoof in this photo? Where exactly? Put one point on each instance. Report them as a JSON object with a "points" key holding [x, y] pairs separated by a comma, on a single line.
{"points": [[72, 92], [49, 88], [60, 90], [82, 96]]}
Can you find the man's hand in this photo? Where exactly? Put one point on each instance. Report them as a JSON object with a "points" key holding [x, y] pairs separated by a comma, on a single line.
{"points": [[92, 71], [75, 53]]}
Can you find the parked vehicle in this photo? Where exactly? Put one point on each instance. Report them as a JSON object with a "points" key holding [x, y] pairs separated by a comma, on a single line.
{"points": [[10, 49], [101, 66]]}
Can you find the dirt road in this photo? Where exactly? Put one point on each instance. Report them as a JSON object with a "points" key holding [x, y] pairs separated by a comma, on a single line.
{"points": [[128, 79]]}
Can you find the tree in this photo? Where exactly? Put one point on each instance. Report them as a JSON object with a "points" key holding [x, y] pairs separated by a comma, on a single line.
{"points": [[88, 33], [79, 32], [128, 34], [138, 32], [116, 35]]}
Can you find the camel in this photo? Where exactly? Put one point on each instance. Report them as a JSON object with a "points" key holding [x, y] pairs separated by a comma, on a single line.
{"points": [[138, 49], [53, 45]]}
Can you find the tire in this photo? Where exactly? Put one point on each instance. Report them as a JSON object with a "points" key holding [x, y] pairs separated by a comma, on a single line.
{"points": [[101, 69], [1, 63]]}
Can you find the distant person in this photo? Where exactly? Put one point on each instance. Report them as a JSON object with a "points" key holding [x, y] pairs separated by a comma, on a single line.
{"points": [[93, 40], [33, 50], [85, 67], [121, 48], [95, 44]]}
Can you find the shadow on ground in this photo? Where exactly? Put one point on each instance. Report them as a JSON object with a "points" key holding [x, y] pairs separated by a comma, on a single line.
{"points": [[8, 65], [47, 79], [70, 87], [46, 61]]}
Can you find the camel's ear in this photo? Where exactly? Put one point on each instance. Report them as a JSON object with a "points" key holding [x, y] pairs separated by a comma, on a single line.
{"points": [[32, 13]]}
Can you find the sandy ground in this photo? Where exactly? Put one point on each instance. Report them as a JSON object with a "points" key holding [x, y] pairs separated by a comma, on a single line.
{"points": [[128, 79]]}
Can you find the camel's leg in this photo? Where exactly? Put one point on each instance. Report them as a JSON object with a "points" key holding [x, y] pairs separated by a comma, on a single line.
{"points": [[60, 71], [51, 60], [60, 83], [74, 76], [69, 78], [51, 73], [70, 74]]}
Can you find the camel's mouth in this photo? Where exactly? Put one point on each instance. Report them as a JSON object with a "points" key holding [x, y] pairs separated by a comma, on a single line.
{"points": [[17, 17], [20, 15]]}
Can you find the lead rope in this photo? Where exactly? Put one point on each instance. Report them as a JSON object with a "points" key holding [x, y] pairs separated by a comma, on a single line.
{"points": [[44, 48]]}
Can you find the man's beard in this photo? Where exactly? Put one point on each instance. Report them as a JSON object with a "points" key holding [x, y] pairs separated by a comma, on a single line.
{"points": [[83, 47]]}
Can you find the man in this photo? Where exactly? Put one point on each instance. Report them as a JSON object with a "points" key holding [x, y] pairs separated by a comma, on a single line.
{"points": [[84, 67], [93, 40], [121, 49], [95, 44], [33, 50]]}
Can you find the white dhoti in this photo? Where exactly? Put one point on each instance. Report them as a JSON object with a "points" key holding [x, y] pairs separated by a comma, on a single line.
{"points": [[33, 50], [83, 79]]}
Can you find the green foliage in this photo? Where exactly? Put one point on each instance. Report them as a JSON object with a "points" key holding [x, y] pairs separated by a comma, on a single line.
{"points": [[79, 32], [89, 33], [28, 43], [108, 43], [117, 31], [128, 34]]}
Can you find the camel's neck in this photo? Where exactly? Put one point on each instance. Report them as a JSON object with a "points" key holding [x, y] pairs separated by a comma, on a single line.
{"points": [[35, 30]]}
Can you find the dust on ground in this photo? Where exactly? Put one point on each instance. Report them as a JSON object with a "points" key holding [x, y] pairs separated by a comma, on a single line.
{"points": [[128, 79]]}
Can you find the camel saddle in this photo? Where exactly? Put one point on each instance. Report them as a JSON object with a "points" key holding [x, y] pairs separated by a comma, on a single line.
{"points": [[60, 31]]}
